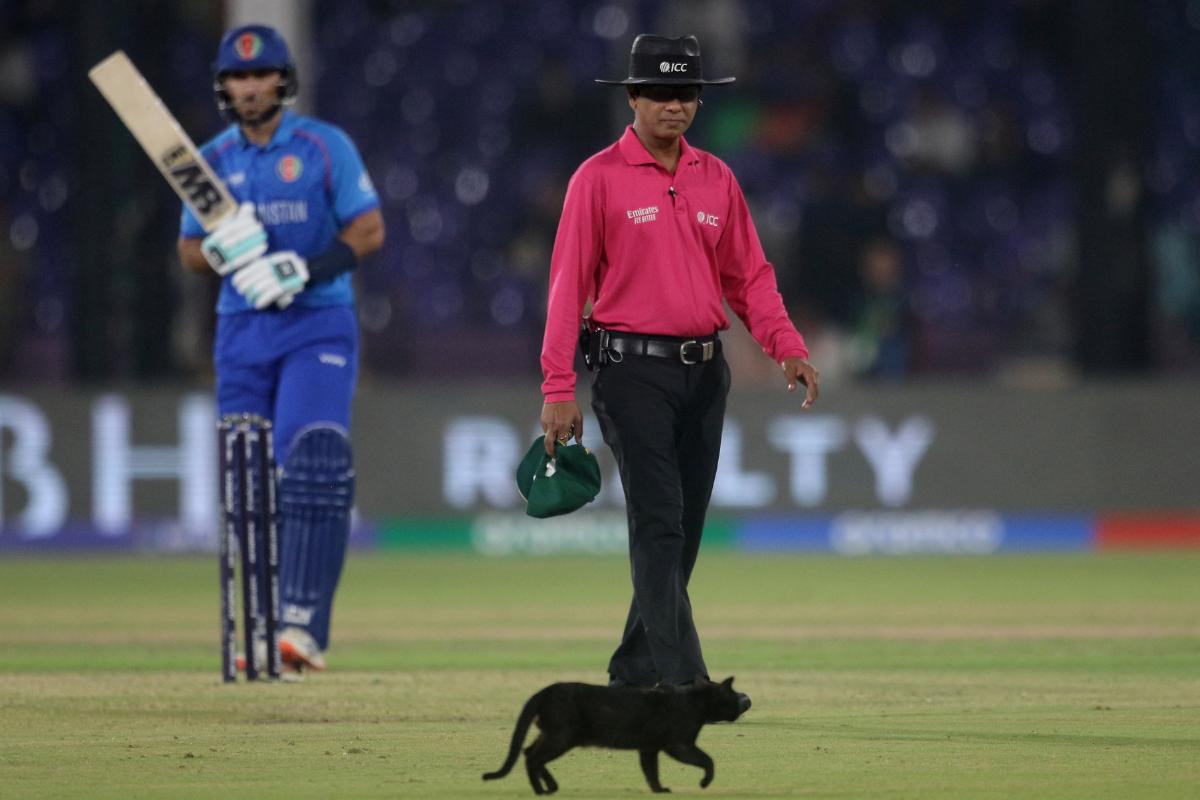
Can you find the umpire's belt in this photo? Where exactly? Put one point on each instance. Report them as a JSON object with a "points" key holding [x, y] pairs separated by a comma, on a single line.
{"points": [[687, 351]]}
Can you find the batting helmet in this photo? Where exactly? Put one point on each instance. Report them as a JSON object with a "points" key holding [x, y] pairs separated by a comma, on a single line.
{"points": [[248, 48]]}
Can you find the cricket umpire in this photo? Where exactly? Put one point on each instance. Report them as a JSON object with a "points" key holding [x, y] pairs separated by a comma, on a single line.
{"points": [[287, 337], [656, 233]]}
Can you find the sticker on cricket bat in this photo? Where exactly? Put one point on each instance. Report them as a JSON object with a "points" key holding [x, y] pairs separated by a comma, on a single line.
{"points": [[187, 177], [162, 138]]}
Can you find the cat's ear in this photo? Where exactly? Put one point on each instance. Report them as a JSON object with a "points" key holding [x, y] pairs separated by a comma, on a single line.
{"points": [[728, 682]]}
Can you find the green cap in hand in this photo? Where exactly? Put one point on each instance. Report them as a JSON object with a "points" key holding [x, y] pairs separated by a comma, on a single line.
{"points": [[558, 485]]}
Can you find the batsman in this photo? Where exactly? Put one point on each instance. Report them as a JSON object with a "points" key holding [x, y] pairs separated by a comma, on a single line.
{"points": [[286, 343]]}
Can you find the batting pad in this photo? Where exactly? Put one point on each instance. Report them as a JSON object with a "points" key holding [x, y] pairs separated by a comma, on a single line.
{"points": [[316, 493]]}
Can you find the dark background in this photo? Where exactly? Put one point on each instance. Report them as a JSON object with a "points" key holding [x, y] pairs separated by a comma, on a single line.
{"points": [[997, 189]]}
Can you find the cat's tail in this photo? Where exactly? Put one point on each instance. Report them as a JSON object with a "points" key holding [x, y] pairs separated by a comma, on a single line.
{"points": [[524, 720]]}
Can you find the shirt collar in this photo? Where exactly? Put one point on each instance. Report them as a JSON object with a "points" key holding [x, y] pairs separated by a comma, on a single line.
{"points": [[282, 134], [634, 152]]}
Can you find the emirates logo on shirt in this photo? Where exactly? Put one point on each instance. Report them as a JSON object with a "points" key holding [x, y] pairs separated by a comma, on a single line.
{"points": [[640, 215]]}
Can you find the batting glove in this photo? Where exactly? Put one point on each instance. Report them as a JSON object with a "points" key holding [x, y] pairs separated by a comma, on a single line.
{"points": [[237, 241], [276, 278]]}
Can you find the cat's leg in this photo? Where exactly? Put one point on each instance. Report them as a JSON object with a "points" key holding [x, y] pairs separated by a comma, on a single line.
{"points": [[691, 754], [548, 779], [544, 750], [533, 765], [650, 769]]}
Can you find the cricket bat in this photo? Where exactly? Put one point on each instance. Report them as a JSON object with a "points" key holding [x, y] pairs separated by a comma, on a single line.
{"points": [[160, 135]]}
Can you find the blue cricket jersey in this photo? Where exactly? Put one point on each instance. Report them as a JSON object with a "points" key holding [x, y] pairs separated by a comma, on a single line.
{"points": [[307, 184]]}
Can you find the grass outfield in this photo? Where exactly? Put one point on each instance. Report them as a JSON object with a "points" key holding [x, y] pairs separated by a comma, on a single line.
{"points": [[998, 677]]}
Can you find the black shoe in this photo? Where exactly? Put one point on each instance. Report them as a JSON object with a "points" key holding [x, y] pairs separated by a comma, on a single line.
{"points": [[617, 682], [743, 702]]}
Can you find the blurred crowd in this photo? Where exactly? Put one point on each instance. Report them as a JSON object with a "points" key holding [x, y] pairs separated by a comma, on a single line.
{"points": [[37, 125], [909, 166]]}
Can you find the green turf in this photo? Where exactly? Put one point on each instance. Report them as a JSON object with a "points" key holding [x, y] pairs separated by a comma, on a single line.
{"points": [[1025, 676]]}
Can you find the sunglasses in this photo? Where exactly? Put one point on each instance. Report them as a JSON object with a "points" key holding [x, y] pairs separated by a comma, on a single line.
{"points": [[665, 94]]}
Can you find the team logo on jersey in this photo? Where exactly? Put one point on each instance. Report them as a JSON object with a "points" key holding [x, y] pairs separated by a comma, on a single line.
{"points": [[289, 168], [248, 46]]}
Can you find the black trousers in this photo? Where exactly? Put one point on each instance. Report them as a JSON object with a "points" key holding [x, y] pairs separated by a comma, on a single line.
{"points": [[663, 421]]}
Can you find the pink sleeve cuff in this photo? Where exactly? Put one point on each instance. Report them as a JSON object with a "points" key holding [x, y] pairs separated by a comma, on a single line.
{"points": [[800, 354]]}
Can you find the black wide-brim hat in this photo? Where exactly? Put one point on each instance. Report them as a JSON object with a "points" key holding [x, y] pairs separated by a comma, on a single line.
{"points": [[662, 60]]}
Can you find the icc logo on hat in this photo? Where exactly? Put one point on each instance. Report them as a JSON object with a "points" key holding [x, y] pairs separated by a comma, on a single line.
{"points": [[662, 60]]}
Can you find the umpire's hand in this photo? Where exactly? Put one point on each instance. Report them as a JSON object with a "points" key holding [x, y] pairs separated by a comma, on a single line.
{"points": [[795, 370], [561, 421]]}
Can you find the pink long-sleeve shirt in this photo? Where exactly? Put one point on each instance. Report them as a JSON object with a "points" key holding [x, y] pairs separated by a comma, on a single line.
{"points": [[656, 252]]}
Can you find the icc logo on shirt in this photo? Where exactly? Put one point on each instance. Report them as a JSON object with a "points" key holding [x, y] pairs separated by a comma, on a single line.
{"points": [[706, 219]]}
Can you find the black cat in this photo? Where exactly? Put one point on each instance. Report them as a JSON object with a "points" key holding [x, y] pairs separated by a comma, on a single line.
{"points": [[627, 718]]}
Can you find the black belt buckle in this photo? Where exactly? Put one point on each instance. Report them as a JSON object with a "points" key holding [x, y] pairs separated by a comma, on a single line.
{"points": [[705, 354]]}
